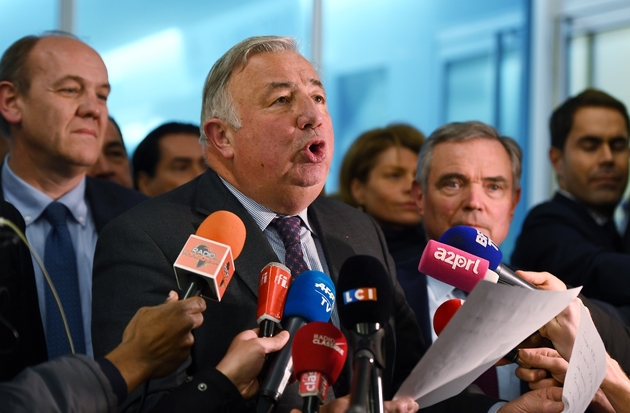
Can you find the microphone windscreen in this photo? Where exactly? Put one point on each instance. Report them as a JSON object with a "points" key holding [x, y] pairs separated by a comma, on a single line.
{"points": [[312, 296], [224, 227], [319, 347], [444, 313], [474, 242], [454, 266], [364, 292], [273, 287]]}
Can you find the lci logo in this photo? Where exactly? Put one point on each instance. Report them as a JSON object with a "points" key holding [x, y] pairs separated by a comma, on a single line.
{"points": [[360, 294]]}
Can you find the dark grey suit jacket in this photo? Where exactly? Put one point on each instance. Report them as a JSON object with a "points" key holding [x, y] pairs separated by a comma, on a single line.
{"points": [[71, 383], [133, 268]]}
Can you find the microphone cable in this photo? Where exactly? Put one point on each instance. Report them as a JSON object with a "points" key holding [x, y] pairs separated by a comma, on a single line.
{"points": [[3, 321], [19, 233]]}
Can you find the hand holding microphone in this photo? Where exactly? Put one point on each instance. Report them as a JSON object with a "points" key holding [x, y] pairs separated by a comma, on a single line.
{"points": [[206, 263], [245, 357]]}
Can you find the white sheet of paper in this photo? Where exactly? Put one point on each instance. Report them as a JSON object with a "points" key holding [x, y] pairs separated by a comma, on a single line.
{"points": [[493, 321], [587, 366]]}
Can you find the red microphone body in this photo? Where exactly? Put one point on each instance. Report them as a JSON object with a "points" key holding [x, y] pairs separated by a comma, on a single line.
{"points": [[445, 312], [319, 353], [273, 286]]}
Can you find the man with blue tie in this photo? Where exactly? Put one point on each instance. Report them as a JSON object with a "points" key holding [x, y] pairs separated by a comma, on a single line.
{"points": [[53, 109]]}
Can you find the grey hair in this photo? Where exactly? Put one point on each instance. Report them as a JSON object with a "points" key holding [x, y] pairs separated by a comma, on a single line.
{"points": [[464, 131], [216, 100]]}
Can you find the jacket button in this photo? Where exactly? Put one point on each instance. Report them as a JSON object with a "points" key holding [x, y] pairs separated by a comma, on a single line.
{"points": [[202, 387]]}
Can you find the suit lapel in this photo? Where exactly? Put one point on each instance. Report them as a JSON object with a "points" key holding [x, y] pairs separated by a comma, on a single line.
{"points": [[212, 195], [334, 237]]}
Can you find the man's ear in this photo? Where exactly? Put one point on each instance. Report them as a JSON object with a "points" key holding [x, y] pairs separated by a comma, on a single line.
{"points": [[516, 197], [220, 136], [557, 161], [9, 108], [418, 197]]}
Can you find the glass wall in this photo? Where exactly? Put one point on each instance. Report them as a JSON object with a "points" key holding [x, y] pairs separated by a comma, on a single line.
{"points": [[21, 18], [598, 56], [158, 57], [384, 61]]}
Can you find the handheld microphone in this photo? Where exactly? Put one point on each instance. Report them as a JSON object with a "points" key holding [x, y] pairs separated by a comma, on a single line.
{"points": [[444, 313], [311, 297], [454, 266], [365, 298], [479, 244], [206, 263], [319, 353], [273, 286]]}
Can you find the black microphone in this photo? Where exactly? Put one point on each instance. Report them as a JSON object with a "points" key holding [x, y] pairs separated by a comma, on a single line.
{"points": [[479, 244], [365, 298], [311, 297]]}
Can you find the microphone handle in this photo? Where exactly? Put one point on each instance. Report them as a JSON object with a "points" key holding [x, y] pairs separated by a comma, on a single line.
{"points": [[267, 328], [195, 288], [311, 404], [509, 277], [280, 369], [361, 397], [377, 390]]}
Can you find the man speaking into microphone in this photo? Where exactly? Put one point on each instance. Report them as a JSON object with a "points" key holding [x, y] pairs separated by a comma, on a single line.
{"points": [[268, 139]]}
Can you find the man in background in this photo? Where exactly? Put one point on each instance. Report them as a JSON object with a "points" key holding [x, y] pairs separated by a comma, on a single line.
{"points": [[113, 163], [168, 157], [574, 235], [53, 109], [456, 185]]}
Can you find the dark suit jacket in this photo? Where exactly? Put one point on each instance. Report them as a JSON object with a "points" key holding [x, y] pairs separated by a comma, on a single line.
{"points": [[18, 302], [133, 268], [561, 237], [414, 284], [106, 200]]}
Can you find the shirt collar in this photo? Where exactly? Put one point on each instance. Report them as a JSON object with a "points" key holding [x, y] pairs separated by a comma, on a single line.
{"points": [[599, 219], [261, 214], [31, 202], [440, 290]]}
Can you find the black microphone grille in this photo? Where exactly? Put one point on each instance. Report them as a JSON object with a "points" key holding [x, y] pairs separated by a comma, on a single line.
{"points": [[364, 292]]}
